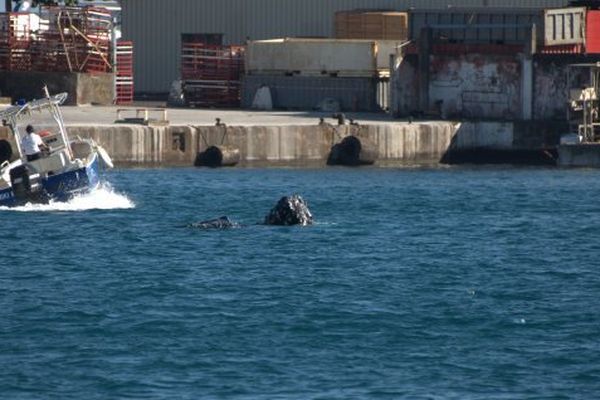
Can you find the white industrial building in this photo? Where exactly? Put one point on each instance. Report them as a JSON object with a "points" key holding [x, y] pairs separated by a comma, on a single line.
{"points": [[156, 26]]}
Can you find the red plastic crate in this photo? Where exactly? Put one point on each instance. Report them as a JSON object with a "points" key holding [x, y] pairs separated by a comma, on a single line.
{"points": [[75, 39], [124, 72], [211, 74]]}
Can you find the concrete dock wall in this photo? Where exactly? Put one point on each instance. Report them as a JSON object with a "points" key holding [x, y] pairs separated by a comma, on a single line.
{"points": [[309, 145], [82, 88], [579, 155], [520, 142], [267, 145]]}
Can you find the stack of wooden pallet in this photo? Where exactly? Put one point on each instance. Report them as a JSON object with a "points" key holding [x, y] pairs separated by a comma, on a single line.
{"points": [[383, 25]]}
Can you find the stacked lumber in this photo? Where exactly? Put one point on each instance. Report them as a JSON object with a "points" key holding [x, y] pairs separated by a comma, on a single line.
{"points": [[383, 25]]}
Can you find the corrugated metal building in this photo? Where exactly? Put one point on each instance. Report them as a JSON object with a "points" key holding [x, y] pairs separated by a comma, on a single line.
{"points": [[156, 26]]}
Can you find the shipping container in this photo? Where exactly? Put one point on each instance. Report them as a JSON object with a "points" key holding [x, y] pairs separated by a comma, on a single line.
{"points": [[501, 25], [371, 25], [592, 44], [312, 57], [321, 56], [564, 26]]}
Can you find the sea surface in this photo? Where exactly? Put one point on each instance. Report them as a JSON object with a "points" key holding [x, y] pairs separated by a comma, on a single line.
{"points": [[414, 283]]}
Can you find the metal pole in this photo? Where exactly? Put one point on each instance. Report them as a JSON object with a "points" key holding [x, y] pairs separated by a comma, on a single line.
{"points": [[57, 115], [568, 97], [113, 43], [390, 95], [13, 127], [585, 134], [595, 101]]}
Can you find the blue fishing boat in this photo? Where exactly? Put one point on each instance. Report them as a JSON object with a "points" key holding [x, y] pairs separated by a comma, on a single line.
{"points": [[65, 169]]}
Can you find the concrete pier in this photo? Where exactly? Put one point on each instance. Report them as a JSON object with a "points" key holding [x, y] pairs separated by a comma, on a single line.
{"points": [[293, 145], [297, 139], [579, 155], [82, 88]]}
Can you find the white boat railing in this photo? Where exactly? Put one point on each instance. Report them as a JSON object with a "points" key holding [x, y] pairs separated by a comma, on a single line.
{"points": [[20, 111]]}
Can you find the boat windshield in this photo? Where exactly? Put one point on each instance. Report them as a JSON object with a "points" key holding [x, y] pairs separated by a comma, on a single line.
{"points": [[44, 116]]}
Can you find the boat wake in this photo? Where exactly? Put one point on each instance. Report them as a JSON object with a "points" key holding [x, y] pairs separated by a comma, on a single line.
{"points": [[103, 198]]}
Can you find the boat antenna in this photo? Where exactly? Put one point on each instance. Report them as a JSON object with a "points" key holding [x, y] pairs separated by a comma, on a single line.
{"points": [[46, 92]]}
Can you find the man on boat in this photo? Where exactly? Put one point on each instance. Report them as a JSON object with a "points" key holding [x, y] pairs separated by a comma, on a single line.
{"points": [[32, 144]]}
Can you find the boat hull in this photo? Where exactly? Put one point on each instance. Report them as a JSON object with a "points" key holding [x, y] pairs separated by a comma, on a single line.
{"points": [[58, 187]]}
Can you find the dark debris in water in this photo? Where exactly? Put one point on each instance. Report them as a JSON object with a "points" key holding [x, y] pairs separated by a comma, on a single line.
{"points": [[223, 222]]}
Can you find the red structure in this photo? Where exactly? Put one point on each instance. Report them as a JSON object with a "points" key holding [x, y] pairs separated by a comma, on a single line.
{"points": [[73, 40], [15, 41], [63, 39], [593, 32], [211, 74], [124, 72], [562, 49]]}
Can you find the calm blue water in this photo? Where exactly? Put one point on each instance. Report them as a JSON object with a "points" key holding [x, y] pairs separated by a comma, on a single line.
{"points": [[446, 283]]}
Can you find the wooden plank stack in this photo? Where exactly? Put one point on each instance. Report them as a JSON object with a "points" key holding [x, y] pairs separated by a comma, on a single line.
{"points": [[382, 25]]}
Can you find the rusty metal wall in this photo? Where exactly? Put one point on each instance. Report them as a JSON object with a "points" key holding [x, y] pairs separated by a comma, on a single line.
{"points": [[156, 25], [550, 87], [484, 86], [550, 90], [475, 86]]}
